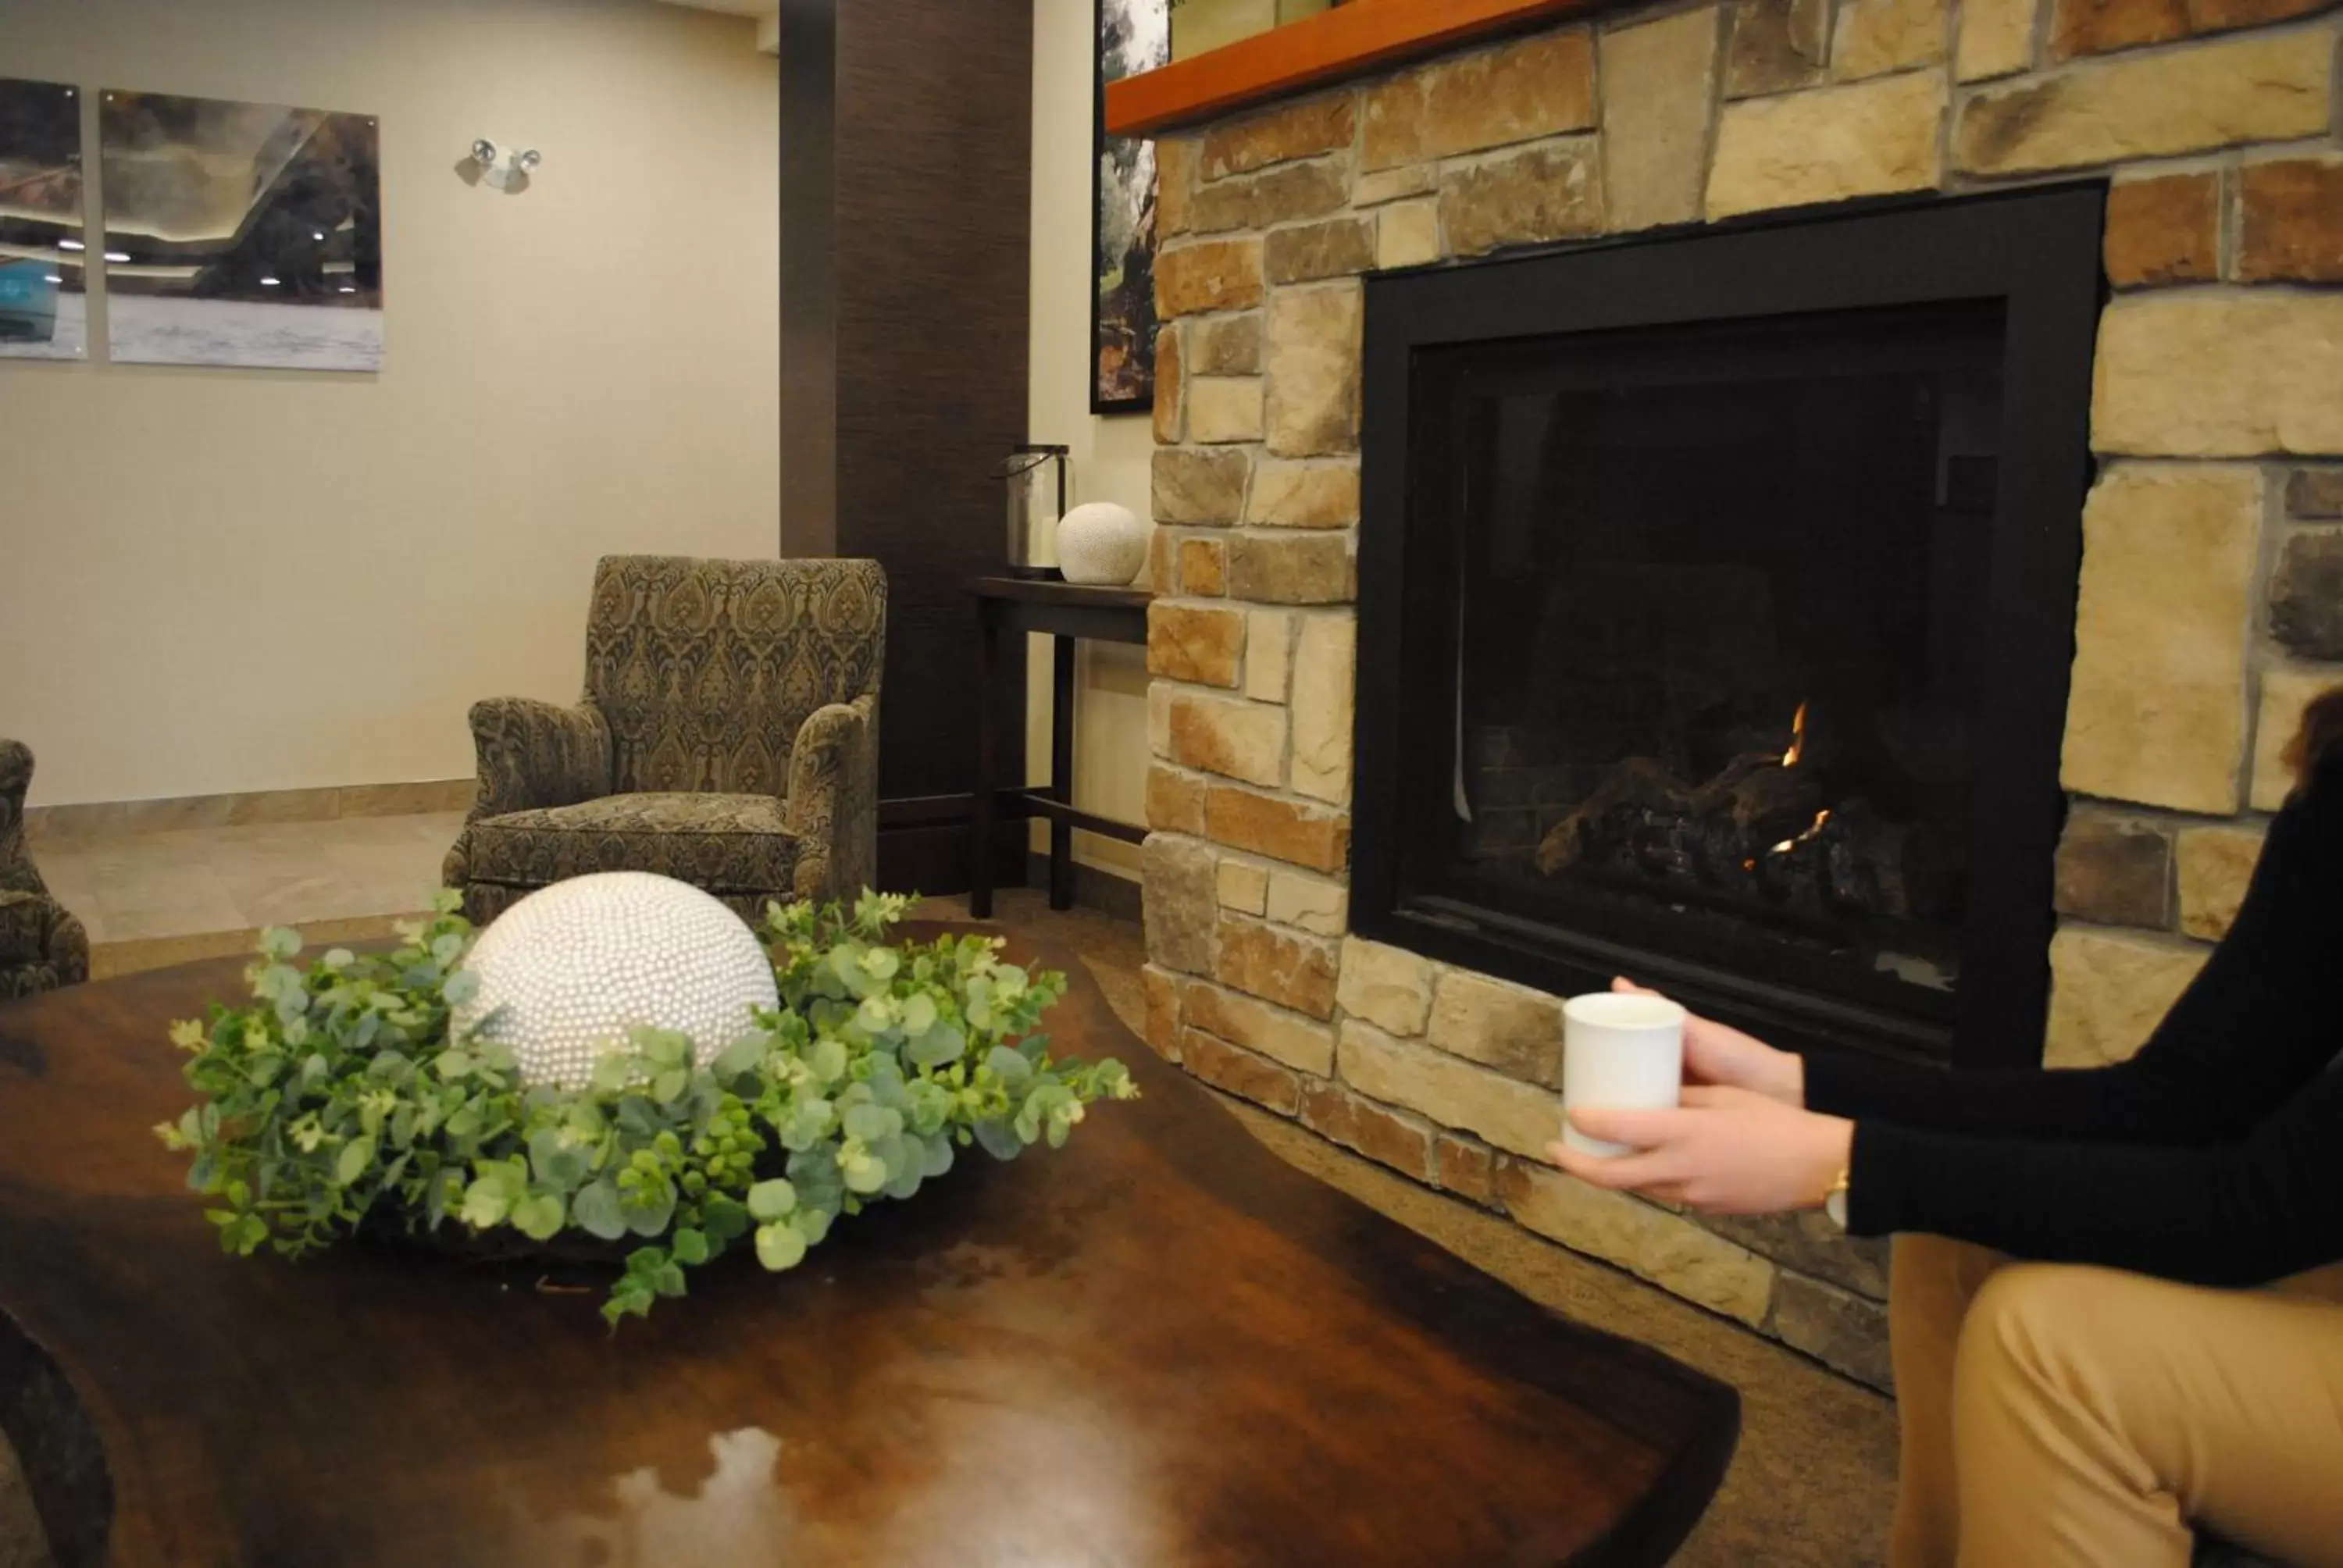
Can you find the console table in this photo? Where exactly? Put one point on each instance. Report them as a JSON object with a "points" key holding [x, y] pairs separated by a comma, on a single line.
{"points": [[1064, 611]]}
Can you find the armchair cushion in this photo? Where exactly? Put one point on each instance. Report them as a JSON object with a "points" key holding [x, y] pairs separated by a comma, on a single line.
{"points": [[734, 846]]}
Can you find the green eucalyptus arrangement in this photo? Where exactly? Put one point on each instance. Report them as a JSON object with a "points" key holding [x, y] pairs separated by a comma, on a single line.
{"points": [[337, 1101]]}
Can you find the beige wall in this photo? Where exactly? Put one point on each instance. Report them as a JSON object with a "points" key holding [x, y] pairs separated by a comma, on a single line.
{"points": [[220, 580], [1110, 457]]}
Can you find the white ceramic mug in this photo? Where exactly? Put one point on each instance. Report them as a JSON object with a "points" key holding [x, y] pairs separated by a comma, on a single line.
{"points": [[1620, 1052]]}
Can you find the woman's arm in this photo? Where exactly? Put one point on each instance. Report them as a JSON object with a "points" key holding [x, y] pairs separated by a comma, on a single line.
{"points": [[2253, 1028], [2241, 1214]]}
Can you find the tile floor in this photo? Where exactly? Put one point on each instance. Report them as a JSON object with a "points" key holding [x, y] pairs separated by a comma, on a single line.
{"points": [[150, 898], [1810, 1487]]}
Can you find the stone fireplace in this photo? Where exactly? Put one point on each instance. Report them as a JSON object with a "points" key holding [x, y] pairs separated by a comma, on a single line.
{"points": [[1717, 598], [1601, 581]]}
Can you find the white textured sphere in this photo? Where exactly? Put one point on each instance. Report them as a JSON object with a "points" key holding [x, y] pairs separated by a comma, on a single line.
{"points": [[570, 970], [1100, 542]]}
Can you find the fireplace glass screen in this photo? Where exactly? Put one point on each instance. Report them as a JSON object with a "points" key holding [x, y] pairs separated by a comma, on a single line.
{"points": [[1721, 636]]}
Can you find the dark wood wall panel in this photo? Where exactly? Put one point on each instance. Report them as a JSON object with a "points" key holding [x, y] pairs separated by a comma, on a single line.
{"points": [[906, 203]]}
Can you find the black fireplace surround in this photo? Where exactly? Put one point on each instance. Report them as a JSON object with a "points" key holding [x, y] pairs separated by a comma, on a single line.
{"points": [[1717, 603]]}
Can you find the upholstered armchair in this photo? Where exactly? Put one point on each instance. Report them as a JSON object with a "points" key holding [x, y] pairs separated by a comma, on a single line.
{"points": [[41, 946], [729, 738]]}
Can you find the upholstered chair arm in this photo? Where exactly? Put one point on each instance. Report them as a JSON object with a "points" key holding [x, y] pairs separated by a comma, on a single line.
{"points": [[833, 802], [535, 754], [15, 778], [42, 945]]}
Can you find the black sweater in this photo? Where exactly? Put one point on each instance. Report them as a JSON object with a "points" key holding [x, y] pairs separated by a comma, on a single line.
{"points": [[2214, 1156]]}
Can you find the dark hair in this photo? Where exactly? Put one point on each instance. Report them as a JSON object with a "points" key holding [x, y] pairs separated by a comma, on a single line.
{"points": [[2319, 741]]}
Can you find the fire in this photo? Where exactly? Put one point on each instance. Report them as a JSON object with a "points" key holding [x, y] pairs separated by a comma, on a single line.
{"points": [[1822, 820], [1798, 738]]}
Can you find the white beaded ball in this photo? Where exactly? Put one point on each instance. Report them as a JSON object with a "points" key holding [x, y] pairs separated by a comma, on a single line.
{"points": [[1102, 543], [570, 970]]}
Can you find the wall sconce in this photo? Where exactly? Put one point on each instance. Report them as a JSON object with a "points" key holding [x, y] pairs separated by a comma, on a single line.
{"points": [[518, 163]]}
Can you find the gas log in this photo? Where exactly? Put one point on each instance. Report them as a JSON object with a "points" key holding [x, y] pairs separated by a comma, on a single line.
{"points": [[1757, 830]]}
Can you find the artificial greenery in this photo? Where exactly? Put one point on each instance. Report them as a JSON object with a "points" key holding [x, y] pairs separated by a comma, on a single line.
{"points": [[337, 1099]]}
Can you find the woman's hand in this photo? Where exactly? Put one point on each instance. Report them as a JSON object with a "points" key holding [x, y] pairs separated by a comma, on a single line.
{"points": [[1716, 1054], [1726, 1151]]}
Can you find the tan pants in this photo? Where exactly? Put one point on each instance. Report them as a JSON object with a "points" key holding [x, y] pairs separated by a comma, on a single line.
{"points": [[2084, 1418]]}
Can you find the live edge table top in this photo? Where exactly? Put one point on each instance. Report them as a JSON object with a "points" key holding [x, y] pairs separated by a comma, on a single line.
{"points": [[1159, 1347]]}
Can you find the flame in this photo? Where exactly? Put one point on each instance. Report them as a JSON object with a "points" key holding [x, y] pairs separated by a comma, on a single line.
{"points": [[1798, 738], [1822, 820]]}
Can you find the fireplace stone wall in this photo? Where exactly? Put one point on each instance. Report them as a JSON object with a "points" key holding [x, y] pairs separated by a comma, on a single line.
{"points": [[2211, 601]]}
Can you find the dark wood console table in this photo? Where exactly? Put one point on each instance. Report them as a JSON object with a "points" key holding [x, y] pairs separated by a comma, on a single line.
{"points": [[1064, 611]]}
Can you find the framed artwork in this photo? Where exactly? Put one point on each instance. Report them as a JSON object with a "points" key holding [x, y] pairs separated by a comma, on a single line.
{"points": [[44, 263], [241, 234], [1133, 36]]}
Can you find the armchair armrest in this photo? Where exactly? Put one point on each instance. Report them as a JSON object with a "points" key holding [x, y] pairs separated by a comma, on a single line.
{"points": [[42, 945], [534, 755], [833, 801], [15, 778]]}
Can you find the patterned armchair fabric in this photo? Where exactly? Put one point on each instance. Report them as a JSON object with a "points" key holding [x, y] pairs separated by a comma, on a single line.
{"points": [[729, 738], [41, 946]]}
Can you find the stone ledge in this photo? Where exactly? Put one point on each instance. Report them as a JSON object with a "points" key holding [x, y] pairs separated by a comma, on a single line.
{"points": [[1845, 1333], [1508, 1027], [1239, 1071], [1291, 1039], [1652, 1243], [1452, 1092], [1388, 1136]]}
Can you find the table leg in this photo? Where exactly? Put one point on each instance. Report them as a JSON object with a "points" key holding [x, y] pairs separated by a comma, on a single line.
{"points": [[988, 665], [1061, 772]]}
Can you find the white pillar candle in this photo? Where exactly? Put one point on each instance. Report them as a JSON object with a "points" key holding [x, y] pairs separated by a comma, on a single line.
{"points": [[1620, 1052]]}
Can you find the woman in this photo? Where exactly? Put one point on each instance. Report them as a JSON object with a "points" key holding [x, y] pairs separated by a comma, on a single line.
{"points": [[2171, 1352]]}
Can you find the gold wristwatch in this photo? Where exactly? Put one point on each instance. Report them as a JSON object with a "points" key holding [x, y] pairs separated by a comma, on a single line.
{"points": [[1835, 1200]]}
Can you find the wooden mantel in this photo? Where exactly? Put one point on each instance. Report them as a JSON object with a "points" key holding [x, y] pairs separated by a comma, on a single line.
{"points": [[1301, 54]]}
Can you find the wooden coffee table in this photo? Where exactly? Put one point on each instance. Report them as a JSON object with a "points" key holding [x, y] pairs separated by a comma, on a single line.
{"points": [[1158, 1346]]}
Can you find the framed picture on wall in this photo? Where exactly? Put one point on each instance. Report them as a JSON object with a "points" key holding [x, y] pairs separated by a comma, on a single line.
{"points": [[1133, 36], [43, 311], [241, 234]]}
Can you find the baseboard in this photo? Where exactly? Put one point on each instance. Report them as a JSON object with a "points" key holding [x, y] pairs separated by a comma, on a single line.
{"points": [[321, 805], [1095, 887]]}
